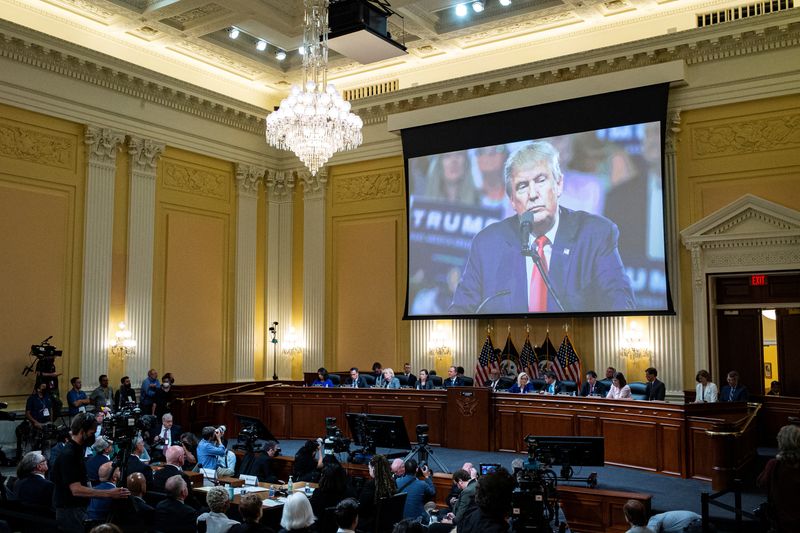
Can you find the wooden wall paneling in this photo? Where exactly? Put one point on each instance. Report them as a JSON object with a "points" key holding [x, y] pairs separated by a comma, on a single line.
{"points": [[631, 443], [434, 416], [506, 430], [671, 449], [699, 453], [544, 424], [597, 510], [278, 419], [775, 413], [588, 426], [467, 423]]}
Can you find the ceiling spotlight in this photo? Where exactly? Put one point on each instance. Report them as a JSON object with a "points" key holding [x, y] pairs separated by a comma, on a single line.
{"points": [[505, 3], [233, 33], [461, 10], [280, 55], [477, 7], [301, 50], [261, 45]]}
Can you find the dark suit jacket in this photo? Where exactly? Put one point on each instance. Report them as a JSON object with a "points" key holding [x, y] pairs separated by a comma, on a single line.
{"points": [[426, 386], [599, 388], [93, 464], [739, 394], [557, 387], [491, 384], [261, 466], [173, 516], [175, 433], [585, 268], [655, 390], [411, 380], [34, 490], [135, 465], [362, 382], [133, 515], [448, 382]]}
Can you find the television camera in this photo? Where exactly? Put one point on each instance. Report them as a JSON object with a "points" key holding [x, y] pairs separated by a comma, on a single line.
{"points": [[335, 441], [534, 502], [40, 351]]}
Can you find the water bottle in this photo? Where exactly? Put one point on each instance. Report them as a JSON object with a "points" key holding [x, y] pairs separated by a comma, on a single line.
{"points": [[290, 485], [272, 491]]}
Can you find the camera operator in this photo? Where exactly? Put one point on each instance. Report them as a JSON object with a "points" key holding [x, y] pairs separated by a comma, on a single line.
{"points": [[262, 466], [125, 395], [210, 448], [308, 461], [38, 412], [46, 373], [72, 494], [417, 483], [493, 504]]}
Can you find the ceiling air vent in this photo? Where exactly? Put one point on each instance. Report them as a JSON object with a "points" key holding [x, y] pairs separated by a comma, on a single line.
{"points": [[371, 90], [751, 9]]}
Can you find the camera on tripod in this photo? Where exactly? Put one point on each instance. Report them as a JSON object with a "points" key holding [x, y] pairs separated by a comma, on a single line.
{"points": [[534, 501], [334, 442], [422, 434], [122, 426], [40, 351]]}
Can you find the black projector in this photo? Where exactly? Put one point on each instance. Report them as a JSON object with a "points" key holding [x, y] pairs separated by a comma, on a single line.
{"points": [[358, 30]]}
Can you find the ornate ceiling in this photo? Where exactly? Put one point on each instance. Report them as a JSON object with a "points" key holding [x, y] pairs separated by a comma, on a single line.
{"points": [[188, 39]]}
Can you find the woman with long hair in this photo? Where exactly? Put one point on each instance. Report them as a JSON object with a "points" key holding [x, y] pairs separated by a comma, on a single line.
{"points": [[380, 485], [781, 480], [706, 391], [619, 387], [333, 488], [423, 380]]}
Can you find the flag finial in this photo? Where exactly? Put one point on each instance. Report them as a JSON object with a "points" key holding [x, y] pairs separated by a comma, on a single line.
{"points": [[527, 328]]}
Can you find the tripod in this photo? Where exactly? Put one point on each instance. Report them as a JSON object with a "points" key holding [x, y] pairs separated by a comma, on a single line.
{"points": [[424, 452]]}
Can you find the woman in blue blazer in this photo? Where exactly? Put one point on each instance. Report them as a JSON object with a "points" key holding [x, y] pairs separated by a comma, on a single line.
{"points": [[523, 384], [322, 379], [388, 381]]}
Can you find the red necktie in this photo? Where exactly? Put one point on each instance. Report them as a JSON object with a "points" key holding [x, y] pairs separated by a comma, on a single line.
{"points": [[537, 298]]}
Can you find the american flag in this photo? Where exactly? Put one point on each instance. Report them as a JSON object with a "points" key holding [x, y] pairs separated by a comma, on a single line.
{"points": [[567, 363], [486, 363], [528, 362]]}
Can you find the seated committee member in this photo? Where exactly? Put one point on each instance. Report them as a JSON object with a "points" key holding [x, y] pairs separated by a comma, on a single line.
{"points": [[733, 392], [523, 384], [592, 387], [705, 392], [411, 379], [388, 381], [423, 381], [577, 249], [655, 390], [453, 379], [322, 379], [551, 384], [356, 381], [493, 380], [619, 387]]}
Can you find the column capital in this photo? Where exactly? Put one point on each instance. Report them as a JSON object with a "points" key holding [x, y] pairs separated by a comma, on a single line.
{"points": [[102, 144], [673, 129], [314, 187], [144, 155], [280, 185], [247, 179]]}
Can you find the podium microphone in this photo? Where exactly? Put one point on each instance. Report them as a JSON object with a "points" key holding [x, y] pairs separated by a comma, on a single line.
{"points": [[490, 298], [525, 227]]}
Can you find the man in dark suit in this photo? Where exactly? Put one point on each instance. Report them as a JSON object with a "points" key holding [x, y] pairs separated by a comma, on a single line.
{"points": [[493, 380], [411, 379], [32, 488], [733, 391], [134, 514], [655, 389], [577, 249], [165, 435], [135, 463], [551, 384], [453, 379], [592, 387], [172, 514], [102, 454], [263, 467], [175, 457], [356, 381]]}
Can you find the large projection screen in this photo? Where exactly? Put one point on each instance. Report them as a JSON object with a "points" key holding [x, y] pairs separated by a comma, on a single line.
{"points": [[550, 209]]}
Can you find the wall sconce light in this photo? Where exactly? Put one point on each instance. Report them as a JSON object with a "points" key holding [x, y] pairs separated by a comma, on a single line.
{"points": [[291, 343], [439, 343], [123, 345], [633, 347]]}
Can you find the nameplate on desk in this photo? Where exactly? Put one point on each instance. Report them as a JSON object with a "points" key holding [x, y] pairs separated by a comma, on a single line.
{"points": [[467, 394], [249, 480]]}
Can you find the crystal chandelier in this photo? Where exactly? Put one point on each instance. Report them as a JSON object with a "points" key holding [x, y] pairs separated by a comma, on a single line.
{"points": [[314, 121]]}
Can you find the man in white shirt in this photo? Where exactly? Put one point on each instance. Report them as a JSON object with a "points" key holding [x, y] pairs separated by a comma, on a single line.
{"points": [[165, 436]]}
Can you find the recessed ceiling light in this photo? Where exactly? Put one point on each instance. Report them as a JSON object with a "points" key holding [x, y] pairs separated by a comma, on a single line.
{"points": [[280, 55], [233, 33], [461, 10], [477, 7], [261, 45], [505, 3], [301, 50]]}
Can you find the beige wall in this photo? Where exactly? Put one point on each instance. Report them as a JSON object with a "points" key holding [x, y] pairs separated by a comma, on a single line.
{"points": [[41, 209], [723, 153]]}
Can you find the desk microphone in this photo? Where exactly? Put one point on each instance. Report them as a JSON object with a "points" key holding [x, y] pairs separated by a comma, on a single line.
{"points": [[492, 297]]}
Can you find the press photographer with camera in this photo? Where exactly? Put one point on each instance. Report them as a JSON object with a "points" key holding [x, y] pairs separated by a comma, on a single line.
{"points": [[211, 448], [493, 504], [417, 483], [72, 493], [261, 466], [308, 461]]}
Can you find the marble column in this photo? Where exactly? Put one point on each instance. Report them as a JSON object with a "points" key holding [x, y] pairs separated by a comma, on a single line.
{"points": [[314, 201], [280, 214], [247, 179], [101, 154], [144, 155]]}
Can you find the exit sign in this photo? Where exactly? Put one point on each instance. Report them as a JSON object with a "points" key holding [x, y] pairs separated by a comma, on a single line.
{"points": [[758, 280]]}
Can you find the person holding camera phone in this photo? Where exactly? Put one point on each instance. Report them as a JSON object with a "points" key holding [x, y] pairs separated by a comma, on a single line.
{"points": [[417, 483]]}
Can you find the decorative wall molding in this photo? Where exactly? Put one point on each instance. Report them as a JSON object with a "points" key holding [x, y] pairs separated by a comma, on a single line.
{"points": [[747, 136], [34, 146], [102, 145], [144, 155], [280, 185], [368, 187], [313, 186], [202, 182], [746, 235], [248, 178]]}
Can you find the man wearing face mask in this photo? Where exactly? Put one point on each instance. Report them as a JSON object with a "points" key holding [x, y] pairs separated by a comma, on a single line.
{"points": [[72, 492], [163, 398]]}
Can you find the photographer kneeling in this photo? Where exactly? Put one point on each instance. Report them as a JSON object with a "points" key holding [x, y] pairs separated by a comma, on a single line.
{"points": [[72, 494]]}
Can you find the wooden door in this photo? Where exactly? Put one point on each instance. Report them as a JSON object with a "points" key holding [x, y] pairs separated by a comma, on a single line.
{"points": [[739, 342], [788, 333]]}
